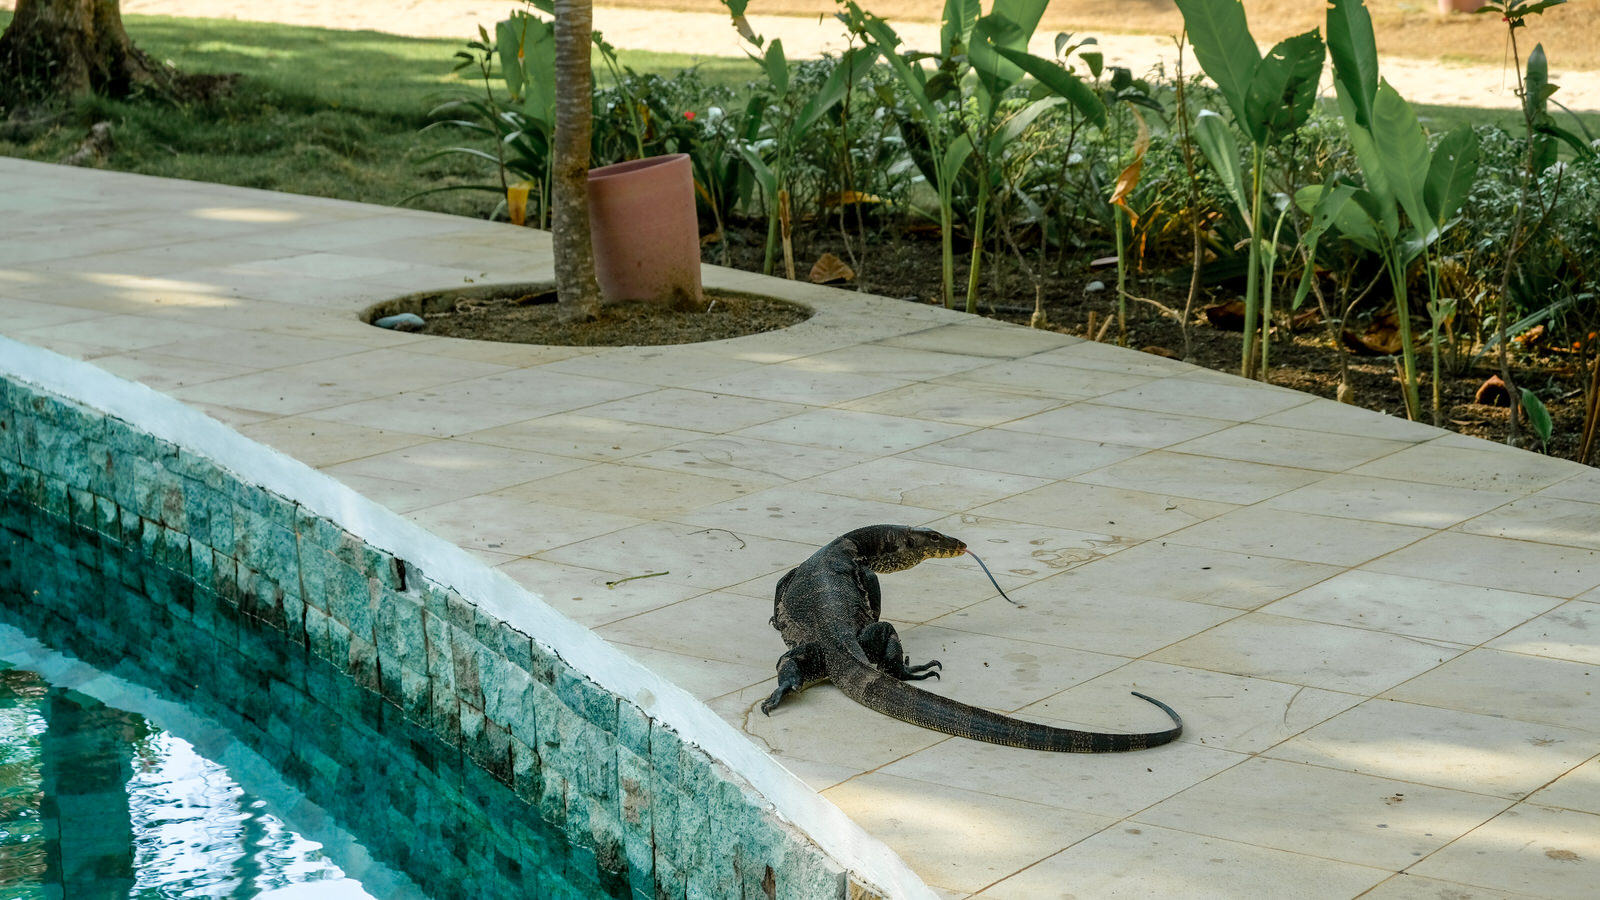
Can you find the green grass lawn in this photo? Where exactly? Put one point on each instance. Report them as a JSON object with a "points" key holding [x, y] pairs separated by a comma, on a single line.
{"points": [[323, 112]]}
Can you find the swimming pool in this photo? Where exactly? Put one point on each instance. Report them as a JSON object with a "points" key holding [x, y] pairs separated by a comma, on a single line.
{"points": [[144, 768]]}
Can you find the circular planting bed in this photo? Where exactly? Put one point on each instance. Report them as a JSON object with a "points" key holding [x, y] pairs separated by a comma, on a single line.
{"points": [[529, 314]]}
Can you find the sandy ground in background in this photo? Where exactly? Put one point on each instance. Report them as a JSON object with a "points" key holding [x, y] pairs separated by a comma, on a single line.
{"points": [[710, 34]]}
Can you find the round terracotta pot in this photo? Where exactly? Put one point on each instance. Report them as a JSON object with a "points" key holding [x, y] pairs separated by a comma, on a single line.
{"points": [[1463, 6], [646, 234]]}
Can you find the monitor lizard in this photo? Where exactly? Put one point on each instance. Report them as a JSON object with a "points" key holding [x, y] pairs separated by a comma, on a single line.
{"points": [[827, 610]]}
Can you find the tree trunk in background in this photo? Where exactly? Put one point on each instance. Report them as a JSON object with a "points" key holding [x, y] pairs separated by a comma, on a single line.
{"points": [[576, 287], [57, 49]]}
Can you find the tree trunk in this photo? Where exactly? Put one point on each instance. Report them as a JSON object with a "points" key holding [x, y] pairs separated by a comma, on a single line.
{"points": [[56, 49], [576, 287]]}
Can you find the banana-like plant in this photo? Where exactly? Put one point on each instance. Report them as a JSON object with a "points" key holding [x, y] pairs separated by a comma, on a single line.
{"points": [[1270, 97], [1411, 193]]}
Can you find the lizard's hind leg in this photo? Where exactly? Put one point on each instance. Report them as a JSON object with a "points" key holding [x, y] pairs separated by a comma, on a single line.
{"points": [[798, 669], [882, 645]]}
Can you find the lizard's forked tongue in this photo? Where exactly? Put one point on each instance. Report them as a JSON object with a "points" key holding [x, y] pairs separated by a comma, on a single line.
{"points": [[991, 578]]}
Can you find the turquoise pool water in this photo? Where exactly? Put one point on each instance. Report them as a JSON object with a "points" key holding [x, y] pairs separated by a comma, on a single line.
{"points": [[137, 760], [100, 802]]}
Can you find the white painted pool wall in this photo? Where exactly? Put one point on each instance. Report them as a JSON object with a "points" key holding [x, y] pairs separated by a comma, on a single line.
{"points": [[869, 862]]}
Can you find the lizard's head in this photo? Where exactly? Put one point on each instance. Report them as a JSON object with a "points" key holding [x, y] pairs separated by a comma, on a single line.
{"points": [[893, 548]]}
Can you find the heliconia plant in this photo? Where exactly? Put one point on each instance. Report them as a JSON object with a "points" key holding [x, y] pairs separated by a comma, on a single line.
{"points": [[1411, 193], [1270, 97]]}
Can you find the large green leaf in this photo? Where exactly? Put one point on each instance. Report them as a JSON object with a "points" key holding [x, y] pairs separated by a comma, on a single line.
{"points": [[1220, 149], [1283, 87], [1061, 82], [776, 67], [911, 75], [1450, 174], [1536, 92], [1010, 24], [1326, 203], [1355, 57], [853, 65], [1224, 47], [955, 26], [1404, 156]]}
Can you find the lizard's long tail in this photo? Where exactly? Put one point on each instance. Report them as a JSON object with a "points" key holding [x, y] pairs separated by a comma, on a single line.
{"points": [[881, 692]]}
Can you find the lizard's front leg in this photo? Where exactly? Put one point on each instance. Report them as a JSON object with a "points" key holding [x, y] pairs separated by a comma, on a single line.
{"points": [[798, 669], [882, 645]]}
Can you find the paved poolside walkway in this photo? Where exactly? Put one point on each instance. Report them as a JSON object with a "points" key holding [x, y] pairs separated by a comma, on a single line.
{"points": [[1382, 636]]}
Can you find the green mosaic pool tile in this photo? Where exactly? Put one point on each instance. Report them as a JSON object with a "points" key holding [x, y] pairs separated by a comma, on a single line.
{"points": [[294, 617], [440, 660], [386, 569], [197, 508], [362, 665], [126, 440], [459, 612], [633, 729], [399, 629], [808, 874], [505, 696], [258, 599], [330, 642], [53, 498], [268, 545], [590, 701], [262, 502], [464, 653], [348, 596], [225, 575], [672, 882]]}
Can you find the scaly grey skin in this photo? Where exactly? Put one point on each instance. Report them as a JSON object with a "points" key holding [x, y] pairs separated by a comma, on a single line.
{"points": [[828, 609]]}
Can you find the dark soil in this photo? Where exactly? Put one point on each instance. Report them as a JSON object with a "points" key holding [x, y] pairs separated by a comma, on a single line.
{"points": [[907, 265], [538, 319]]}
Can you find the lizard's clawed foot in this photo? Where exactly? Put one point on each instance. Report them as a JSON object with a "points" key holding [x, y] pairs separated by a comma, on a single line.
{"points": [[928, 669]]}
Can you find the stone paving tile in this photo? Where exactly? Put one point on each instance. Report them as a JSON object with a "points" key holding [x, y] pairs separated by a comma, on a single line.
{"points": [[1530, 849], [1053, 612], [1221, 711], [1441, 747], [1301, 536], [590, 596], [730, 456], [1418, 607], [854, 432], [581, 436], [1510, 685], [1166, 570], [632, 491], [1276, 445], [321, 444], [1570, 631], [1331, 657], [1548, 520], [952, 403], [1125, 513], [1035, 455], [926, 485], [1117, 425], [706, 411], [1229, 398], [1201, 477], [1480, 465], [1578, 790], [1147, 861], [1339, 815], [1387, 500], [959, 839], [1497, 563]]}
